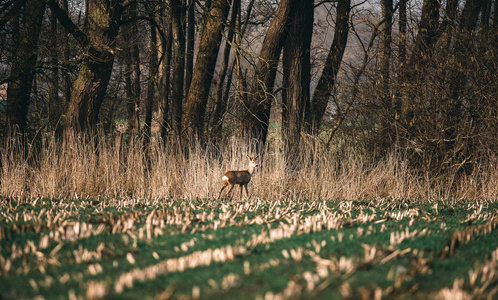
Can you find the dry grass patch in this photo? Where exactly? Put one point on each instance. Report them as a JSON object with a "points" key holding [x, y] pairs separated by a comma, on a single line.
{"points": [[115, 169]]}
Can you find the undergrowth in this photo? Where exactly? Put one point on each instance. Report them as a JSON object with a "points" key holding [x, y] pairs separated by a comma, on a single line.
{"points": [[118, 169]]}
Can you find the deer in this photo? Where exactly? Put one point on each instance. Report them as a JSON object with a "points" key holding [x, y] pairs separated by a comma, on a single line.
{"points": [[242, 178]]}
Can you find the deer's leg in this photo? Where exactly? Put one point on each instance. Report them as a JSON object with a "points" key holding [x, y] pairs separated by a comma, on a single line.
{"points": [[230, 189], [222, 188], [241, 190], [247, 193]]}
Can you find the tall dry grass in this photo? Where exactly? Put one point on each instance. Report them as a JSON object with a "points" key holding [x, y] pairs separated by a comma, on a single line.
{"points": [[113, 168]]}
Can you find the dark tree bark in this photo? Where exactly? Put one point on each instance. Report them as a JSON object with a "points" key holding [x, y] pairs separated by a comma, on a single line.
{"points": [[219, 103], [209, 45], [66, 75], [164, 89], [486, 14], [241, 27], [421, 53], [151, 86], [470, 15], [23, 66], [386, 117], [132, 73], [403, 23], [449, 19], [189, 53], [97, 42], [296, 82], [458, 79], [385, 58], [241, 91], [327, 80], [178, 66], [495, 18], [54, 107], [257, 113], [494, 28], [427, 33], [10, 10]]}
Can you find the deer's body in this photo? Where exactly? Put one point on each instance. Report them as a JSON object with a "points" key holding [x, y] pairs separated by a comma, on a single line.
{"points": [[242, 178]]}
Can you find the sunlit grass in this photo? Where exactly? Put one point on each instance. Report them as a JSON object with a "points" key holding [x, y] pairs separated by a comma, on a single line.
{"points": [[118, 169]]}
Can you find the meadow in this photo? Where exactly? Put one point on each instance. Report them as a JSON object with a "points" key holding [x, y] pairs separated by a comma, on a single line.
{"points": [[247, 249], [103, 222]]}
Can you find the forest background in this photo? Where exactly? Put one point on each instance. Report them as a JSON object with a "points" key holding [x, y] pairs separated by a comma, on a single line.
{"points": [[340, 99]]}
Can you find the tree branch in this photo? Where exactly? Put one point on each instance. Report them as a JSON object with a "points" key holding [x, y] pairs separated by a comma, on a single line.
{"points": [[68, 24], [9, 13]]}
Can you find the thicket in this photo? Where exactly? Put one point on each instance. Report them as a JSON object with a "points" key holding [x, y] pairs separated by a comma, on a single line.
{"points": [[338, 99]]}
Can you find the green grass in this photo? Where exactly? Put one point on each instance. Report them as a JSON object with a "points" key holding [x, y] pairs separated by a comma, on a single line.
{"points": [[108, 248]]}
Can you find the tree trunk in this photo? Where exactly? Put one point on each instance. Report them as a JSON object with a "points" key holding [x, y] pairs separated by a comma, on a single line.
{"points": [[178, 64], [403, 23], [66, 75], [54, 105], [398, 99], [386, 117], [164, 89], [327, 80], [219, 103], [458, 80], [98, 41], [257, 114], [241, 91], [11, 11], [189, 52], [427, 33], [151, 85], [132, 75], [209, 45], [449, 19], [421, 52], [385, 59], [23, 67], [296, 87], [486, 14]]}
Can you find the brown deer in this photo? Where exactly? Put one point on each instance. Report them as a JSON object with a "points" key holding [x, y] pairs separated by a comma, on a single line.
{"points": [[242, 178]]}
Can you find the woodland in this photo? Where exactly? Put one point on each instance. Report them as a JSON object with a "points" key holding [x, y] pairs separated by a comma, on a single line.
{"points": [[412, 79], [374, 125]]}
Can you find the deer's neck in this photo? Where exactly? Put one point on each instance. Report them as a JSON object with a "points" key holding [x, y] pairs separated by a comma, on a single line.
{"points": [[250, 170]]}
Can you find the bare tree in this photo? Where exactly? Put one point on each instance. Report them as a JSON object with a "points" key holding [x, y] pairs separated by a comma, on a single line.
{"points": [[385, 59], [190, 41], [131, 57], [427, 33], [67, 81], [23, 66], [151, 85], [54, 108], [209, 45], [414, 69], [458, 78], [97, 42], [178, 65], [164, 80], [296, 82], [327, 80], [257, 112], [218, 100]]}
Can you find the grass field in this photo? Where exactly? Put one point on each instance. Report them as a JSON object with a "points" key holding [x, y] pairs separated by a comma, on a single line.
{"points": [[112, 220], [247, 249]]}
